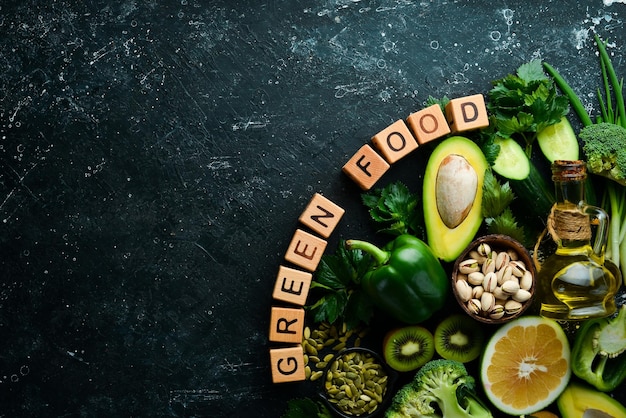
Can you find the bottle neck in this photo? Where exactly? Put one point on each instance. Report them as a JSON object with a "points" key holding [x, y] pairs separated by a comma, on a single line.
{"points": [[571, 222], [570, 193]]}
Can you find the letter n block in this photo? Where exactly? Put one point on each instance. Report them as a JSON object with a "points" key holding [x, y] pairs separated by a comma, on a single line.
{"points": [[428, 124], [305, 250], [287, 364], [321, 215], [395, 141], [292, 285], [286, 325], [366, 167], [467, 113]]}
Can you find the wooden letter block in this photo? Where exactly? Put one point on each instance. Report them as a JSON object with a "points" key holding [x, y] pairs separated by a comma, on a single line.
{"points": [[467, 113], [305, 250], [366, 167], [286, 325], [321, 215], [287, 364], [395, 141], [428, 124], [292, 285]]}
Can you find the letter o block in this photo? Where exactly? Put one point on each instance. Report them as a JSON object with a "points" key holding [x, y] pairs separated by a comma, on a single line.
{"points": [[467, 113], [428, 124], [366, 167], [395, 141]]}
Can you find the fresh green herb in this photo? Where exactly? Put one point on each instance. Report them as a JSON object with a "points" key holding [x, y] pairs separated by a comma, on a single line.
{"points": [[524, 103], [306, 408], [496, 196], [443, 102], [496, 210], [575, 102], [337, 282], [486, 140], [395, 208]]}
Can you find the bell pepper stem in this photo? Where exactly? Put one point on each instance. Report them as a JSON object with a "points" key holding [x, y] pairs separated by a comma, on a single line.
{"points": [[380, 256]]}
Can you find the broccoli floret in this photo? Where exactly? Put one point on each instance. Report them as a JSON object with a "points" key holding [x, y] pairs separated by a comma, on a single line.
{"points": [[440, 389], [604, 145]]}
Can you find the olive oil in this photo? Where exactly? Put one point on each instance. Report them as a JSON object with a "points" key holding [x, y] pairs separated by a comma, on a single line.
{"points": [[575, 282], [574, 286]]}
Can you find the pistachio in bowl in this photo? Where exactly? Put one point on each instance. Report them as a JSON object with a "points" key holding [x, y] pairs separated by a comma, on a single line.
{"points": [[494, 279]]}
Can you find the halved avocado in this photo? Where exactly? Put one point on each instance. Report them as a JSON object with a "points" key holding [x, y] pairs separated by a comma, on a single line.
{"points": [[452, 196], [579, 400]]}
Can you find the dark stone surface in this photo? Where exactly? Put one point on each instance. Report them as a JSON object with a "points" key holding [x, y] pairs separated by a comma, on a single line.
{"points": [[155, 156]]}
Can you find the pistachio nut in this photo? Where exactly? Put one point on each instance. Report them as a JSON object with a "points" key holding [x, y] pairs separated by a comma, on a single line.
{"points": [[464, 290], [510, 287]]}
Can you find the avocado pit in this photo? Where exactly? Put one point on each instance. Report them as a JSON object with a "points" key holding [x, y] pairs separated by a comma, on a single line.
{"points": [[456, 189]]}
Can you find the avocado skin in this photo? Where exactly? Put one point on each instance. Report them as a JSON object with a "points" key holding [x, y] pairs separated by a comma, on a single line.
{"points": [[448, 243], [578, 398]]}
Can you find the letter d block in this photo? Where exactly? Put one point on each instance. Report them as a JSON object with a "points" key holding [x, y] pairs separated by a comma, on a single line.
{"points": [[287, 364], [428, 124], [395, 141], [366, 167], [467, 113], [321, 215], [305, 250], [286, 325]]}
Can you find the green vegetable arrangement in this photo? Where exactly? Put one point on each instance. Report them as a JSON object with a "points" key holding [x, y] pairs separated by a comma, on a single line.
{"points": [[604, 146], [407, 282]]}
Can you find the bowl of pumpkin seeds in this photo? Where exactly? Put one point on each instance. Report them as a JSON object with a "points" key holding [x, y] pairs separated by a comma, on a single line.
{"points": [[357, 383]]}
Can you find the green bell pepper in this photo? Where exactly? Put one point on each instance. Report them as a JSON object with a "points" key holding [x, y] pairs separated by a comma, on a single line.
{"points": [[598, 353], [406, 279]]}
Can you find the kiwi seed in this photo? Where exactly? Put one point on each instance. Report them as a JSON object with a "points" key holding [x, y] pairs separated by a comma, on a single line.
{"points": [[460, 338], [408, 348]]}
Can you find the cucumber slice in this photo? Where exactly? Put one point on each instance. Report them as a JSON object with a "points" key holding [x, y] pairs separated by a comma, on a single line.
{"points": [[512, 162], [558, 141]]}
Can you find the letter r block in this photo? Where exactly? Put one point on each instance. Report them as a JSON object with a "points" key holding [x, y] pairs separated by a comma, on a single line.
{"points": [[305, 250], [292, 285], [395, 141], [428, 124], [467, 113], [366, 167], [286, 325], [321, 215], [287, 364]]}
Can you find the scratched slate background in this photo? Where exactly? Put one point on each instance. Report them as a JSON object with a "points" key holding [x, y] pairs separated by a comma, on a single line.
{"points": [[155, 156]]}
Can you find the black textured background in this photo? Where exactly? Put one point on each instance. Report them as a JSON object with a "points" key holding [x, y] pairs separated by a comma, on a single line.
{"points": [[155, 156]]}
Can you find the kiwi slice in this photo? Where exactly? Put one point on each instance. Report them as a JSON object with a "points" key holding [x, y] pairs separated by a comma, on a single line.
{"points": [[408, 348], [458, 337]]}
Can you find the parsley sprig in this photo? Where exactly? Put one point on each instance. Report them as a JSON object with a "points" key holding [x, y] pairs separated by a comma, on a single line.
{"points": [[524, 103], [337, 285], [395, 209], [499, 217]]}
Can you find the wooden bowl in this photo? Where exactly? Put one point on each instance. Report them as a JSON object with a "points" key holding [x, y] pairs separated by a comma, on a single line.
{"points": [[514, 264]]}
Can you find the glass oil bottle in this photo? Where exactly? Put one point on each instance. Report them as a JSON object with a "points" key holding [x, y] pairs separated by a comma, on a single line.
{"points": [[575, 282]]}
